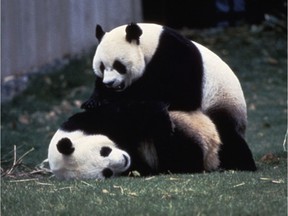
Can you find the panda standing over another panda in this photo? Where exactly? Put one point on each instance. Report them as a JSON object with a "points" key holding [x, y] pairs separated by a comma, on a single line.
{"points": [[149, 62]]}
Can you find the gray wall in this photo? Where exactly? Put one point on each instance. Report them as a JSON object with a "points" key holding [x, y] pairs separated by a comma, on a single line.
{"points": [[36, 32]]}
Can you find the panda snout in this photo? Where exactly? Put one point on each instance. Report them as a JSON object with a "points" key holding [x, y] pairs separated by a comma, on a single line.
{"points": [[120, 87], [120, 163], [115, 86], [126, 160], [108, 172], [109, 84]]}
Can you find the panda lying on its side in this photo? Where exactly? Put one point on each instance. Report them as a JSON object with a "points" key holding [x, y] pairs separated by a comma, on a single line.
{"points": [[111, 141]]}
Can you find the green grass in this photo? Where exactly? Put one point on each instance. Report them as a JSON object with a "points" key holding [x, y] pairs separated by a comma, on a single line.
{"points": [[29, 121], [228, 193]]}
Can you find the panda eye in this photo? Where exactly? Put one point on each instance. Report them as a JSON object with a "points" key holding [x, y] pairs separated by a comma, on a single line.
{"points": [[102, 67], [105, 151], [119, 67]]}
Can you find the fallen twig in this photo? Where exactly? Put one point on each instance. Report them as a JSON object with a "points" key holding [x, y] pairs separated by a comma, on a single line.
{"points": [[16, 162], [24, 180]]}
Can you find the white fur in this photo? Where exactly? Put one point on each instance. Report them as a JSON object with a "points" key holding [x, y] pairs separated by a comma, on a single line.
{"points": [[220, 83], [86, 161], [114, 46]]}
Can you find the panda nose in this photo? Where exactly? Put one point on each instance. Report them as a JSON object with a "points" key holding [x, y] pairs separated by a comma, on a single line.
{"points": [[109, 84], [109, 78]]}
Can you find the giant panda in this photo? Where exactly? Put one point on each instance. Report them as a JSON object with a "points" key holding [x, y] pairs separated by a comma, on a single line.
{"points": [[111, 141], [150, 62]]}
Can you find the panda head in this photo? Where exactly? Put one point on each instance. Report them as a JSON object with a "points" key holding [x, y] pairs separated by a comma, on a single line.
{"points": [[74, 155], [123, 53]]}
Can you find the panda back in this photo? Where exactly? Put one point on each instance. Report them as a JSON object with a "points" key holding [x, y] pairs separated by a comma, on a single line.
{"points": [[220, 84]]}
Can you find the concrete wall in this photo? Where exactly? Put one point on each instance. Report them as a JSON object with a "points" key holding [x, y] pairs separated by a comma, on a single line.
{"points": [[36, 32]]}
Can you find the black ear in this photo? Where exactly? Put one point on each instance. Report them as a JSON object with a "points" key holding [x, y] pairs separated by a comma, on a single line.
{"points": [[133, 32], [65, 146], [99, 33]]}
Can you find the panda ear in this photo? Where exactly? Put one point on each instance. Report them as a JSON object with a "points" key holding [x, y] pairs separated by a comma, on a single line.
{"points": [[65, 146], [133, 32], [99, 33]]}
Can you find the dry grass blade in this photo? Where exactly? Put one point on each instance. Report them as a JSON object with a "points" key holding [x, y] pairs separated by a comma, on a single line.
{"points": [[285, 142], [41, 169], [23, 180], [16, 162]]}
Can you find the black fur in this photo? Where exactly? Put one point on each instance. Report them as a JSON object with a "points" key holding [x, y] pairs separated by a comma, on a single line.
{"points": [[133, 32], [107, 173], [129, 125], [181, 154], [65, 146], [173, 76], [116, 120], [105, 151], [99, 33], [235, 152]]}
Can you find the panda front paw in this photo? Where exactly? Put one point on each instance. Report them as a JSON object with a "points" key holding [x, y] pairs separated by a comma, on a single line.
{"points": [[91, 104]]}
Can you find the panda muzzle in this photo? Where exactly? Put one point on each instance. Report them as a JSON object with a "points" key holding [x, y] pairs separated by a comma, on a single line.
{"points": [[119, 87]]}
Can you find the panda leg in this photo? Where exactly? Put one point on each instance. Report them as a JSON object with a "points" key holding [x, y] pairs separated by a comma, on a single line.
{"points": [[235, 152]]}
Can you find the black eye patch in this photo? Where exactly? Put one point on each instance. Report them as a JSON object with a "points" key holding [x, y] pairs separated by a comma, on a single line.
{"points": [[117, 65], [107, 173], [102, 67], [105, 151]]}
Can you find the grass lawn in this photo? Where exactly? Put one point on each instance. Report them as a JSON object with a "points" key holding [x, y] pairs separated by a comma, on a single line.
{"points": [[30, 120]]}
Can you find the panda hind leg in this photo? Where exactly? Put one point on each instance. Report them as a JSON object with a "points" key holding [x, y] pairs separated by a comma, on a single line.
{"points": [[235, 153]]}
